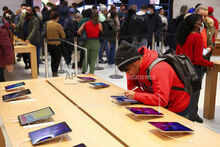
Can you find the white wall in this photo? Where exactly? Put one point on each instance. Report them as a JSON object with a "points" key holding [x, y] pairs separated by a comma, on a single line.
{"points": [[191, 3], [11, 4]]}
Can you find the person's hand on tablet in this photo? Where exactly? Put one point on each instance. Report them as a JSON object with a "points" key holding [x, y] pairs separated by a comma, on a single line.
{"points": [[129, 93]]}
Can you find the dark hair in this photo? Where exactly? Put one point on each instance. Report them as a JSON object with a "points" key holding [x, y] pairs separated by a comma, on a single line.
{"points": [[74, 4], [150, 6], [22, 5], [54, 15], [186, 27], [94, 7], [95, 18], [36, 7], [197, 5], [87, 13], [65, 3], [33, 11], [45, 9], [161, 9], [5, 8], [144, 7]]}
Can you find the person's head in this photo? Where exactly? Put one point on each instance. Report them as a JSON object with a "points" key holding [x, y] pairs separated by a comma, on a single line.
{"points": [[210, 10], [94, 8], [55, 16], [202, 10], [192, 23], [144, 8], [183, 10], [23, 8], [127, 58], [72, 11], [133, 7], [65, 3], [30, 11], [87, 13], [95, 18], [45, 9], [103, 9], [78, 17], [74, 5], [5, 9], [150, 9], [122, 7], [37, 8], [161, 11], [197, 5]]}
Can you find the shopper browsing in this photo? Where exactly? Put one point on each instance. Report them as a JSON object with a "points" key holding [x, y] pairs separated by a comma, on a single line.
{"points": [[163, 76]]}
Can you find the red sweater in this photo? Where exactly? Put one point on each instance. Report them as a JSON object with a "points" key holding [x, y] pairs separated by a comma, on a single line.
{"points": [[7, 56], [163, 77], [193, 48], [92, 30]]}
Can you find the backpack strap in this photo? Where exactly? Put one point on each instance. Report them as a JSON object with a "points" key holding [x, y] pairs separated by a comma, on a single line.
{"points": [[151, 66]]}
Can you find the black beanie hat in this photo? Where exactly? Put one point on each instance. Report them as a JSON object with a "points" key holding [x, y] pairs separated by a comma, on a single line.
{"points": [[126, 54]]}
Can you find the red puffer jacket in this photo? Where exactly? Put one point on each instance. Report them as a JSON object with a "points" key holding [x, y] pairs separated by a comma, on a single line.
{"points": [[7, 56], [163, 77]]}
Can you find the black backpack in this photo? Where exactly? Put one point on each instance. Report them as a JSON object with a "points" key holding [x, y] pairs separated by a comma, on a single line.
{"points": [[183, 68], [137, 25]]}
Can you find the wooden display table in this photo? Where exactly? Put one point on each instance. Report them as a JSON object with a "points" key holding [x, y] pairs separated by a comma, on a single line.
{"points": [[210, 91], [28, 48], [128, 129], [84, 129]]}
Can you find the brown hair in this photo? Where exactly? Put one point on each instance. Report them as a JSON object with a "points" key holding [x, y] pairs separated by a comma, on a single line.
{"points": [[95, 18]]}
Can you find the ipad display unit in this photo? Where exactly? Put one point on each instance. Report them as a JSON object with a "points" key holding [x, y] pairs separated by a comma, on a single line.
{"points": [[14, 86], [86, 79], [139, 111], [16, 95], [99, 85], [49, 133], [124, 100], [205, 51], [34, 116], [171, 127]]}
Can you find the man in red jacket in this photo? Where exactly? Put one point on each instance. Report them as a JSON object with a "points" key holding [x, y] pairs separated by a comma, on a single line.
{"points": [[135, 63], [6, 50]]}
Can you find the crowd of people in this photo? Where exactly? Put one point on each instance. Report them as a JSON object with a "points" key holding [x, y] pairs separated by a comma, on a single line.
{"points": [[97, 29]]}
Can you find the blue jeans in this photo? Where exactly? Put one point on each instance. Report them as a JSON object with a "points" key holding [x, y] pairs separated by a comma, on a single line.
{"points": [[38, 53], [2, 77], [111, 55], [103, 43]]}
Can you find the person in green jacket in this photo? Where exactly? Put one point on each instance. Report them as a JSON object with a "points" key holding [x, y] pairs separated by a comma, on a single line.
{"points": [[29, 27]]}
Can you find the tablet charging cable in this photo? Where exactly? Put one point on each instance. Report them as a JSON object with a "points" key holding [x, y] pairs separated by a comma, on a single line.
{"points": [[11, 120]]}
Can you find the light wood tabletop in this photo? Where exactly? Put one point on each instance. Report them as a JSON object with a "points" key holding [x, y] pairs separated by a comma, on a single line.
{"points": [[84, 129], [132, 130], [28, 48]]}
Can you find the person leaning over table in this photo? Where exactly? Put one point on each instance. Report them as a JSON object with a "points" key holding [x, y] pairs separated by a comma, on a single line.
{"points": [[55, 31], [135, 63], [7, 57]]}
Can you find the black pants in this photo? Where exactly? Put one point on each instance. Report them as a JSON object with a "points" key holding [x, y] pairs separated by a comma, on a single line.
{"points": [[55, 52], [26, 58], [194, 99], [2, 76]]}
